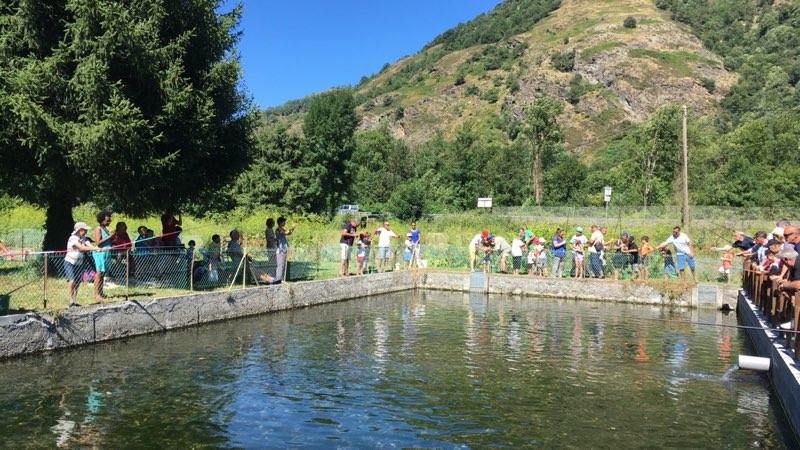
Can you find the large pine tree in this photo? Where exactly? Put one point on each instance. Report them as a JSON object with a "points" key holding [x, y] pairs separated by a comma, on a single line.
{"points": [[134, 105]]}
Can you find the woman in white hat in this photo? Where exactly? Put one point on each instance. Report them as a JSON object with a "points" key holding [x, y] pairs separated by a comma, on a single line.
{"points": [[77, 243]]}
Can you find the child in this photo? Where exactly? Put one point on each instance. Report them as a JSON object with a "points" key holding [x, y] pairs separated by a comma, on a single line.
{"points": [[726, 263], [541, 256], [407, 252], [577, 248], [517, 244], [214, 258], [669, 264], [644, 253], [362, 256]]}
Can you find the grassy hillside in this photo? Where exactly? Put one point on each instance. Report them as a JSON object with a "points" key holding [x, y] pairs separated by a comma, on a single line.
{"points": [[576, 50]]}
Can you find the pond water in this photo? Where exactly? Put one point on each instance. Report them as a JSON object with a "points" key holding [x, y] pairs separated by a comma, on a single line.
{"points": [[415, 369]]}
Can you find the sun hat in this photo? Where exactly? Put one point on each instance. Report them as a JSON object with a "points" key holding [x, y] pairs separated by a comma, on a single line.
{"points": [[80, 226]]}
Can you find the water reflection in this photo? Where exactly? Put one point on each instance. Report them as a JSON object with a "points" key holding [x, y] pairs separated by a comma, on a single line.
{"points": [[429, 370]]}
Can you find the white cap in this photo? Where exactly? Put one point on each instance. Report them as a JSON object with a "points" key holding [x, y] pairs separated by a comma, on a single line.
{"points": [[80, 226], [778, 231]]}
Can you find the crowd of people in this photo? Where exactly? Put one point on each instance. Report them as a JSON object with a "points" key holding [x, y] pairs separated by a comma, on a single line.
{"points": [[91, 251], [773, 254], [543, 256], [350, 239], [88, 257]]}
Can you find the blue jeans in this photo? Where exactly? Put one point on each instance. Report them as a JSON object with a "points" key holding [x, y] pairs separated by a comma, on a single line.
{"points": [[595, 265]]}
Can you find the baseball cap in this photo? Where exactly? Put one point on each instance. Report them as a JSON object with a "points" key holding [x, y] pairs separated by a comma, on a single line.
{"points": [[80, 226], [484, 233], [579, 229], [774, 242]]}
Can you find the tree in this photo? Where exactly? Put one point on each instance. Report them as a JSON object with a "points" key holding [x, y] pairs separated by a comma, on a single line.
{"points": [[328, 127], [131, 105], [278, 175], [381, 163], [544, 136]]}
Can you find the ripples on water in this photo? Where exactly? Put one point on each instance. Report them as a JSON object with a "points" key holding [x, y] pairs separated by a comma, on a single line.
{"points": [[421, 369]]}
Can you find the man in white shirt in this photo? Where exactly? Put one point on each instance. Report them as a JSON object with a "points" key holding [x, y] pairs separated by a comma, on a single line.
{"points": [[473, 247], [683, 250], [596, 246], [502, 246], [385, 236]]}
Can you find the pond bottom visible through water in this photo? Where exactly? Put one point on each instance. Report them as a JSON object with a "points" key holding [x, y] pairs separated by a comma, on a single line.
{"points": [[413, 369]]}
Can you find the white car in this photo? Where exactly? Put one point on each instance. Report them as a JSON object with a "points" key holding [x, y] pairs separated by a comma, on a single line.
{"points": [[348, 209]]}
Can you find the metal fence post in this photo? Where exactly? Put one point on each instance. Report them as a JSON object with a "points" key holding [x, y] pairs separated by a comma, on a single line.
{"points": [[191, 273], [46, 258], [285, 274], [127, 272], [319, 260], [244, 269]]}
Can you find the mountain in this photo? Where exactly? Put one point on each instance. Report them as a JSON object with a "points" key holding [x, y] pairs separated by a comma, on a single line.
{"points": [[581, 51]]}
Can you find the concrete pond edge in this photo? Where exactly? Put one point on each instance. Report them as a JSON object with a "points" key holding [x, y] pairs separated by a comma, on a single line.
{"points": [[22, 334]]}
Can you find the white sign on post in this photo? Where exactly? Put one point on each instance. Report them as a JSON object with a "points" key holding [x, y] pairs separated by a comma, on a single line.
{"points": [[607, 193], [485, 202]]}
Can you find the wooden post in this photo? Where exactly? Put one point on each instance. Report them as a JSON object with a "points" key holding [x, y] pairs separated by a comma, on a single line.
{"points": [[685, 174]]}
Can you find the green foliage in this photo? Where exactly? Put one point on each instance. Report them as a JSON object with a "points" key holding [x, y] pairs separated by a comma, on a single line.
{"points": [[91, 91], [491, 95], [328, 127], [760, 40], [679, 61], [381, 164], [408, 200], [578, 87], [629, 22], [459, 80], [472, 90], [708, 84], [563, 61], [508, 18]]}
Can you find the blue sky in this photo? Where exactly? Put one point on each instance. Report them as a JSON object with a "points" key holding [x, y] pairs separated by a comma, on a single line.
{"points": [[291, 48]]}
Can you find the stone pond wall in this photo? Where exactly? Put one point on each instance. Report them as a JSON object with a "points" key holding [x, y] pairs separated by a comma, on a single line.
{"points": [[28, 333]]}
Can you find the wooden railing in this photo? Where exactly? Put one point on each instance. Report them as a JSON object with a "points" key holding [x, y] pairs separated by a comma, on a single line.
{"points": [[779, 306]]}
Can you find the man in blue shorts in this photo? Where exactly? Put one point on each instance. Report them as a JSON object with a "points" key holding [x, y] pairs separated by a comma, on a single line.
{"points": [[683, 250]]}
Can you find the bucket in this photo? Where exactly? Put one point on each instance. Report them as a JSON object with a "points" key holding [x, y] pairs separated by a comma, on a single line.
{"points": [[5, 299]]}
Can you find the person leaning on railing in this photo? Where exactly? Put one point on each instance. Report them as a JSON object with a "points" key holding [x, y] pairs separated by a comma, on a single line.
{"points": [[73, 260]]}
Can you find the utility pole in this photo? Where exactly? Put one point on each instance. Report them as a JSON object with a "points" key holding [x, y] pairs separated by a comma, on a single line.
{"points": [[685, 175]]}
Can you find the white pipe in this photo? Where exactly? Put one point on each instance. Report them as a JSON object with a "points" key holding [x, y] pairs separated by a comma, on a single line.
{"points": [[753, 363]]}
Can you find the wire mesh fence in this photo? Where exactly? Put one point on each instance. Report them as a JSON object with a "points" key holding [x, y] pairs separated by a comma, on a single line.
{"points": [[38, 281]]}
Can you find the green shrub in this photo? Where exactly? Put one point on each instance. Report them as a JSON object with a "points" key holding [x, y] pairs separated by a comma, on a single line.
{"points": [[709, 84], [387, 101], [630, 22], [564, 61], [491, 95], [399, 113], [472, 90], [459, 80]]}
